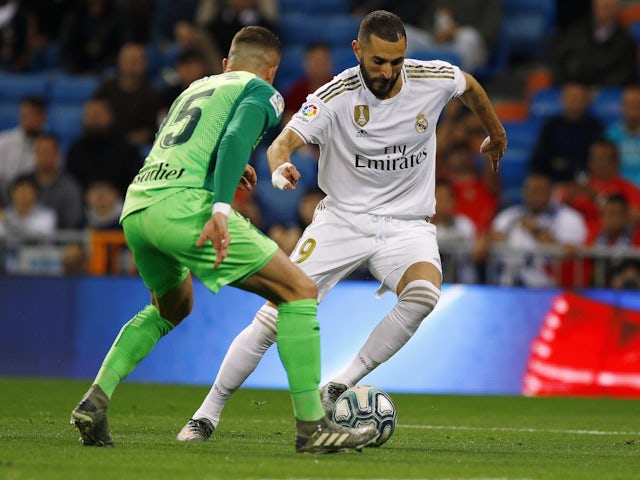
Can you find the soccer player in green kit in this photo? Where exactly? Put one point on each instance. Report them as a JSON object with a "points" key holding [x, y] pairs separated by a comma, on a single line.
{"points": [[178, 220]]}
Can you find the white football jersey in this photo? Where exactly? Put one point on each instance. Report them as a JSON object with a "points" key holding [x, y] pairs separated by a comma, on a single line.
{"points": [[378, 156]]}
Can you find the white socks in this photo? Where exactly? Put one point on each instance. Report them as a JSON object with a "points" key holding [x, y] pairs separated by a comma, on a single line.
{"points": [[242, 358], [415, 302]]}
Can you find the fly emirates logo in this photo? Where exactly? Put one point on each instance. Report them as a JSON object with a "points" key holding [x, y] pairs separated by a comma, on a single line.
{"points": [[397, 158]]}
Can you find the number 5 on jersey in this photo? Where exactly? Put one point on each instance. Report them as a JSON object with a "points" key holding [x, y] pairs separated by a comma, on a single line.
{"points": [[174, 129]]}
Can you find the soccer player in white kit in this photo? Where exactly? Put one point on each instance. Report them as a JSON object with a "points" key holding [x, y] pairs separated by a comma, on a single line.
{"points": [[376, 127]]}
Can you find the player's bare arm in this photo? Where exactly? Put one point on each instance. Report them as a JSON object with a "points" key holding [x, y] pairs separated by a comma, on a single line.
{"points": [[248, 180], [478, 101], [284, 174]]}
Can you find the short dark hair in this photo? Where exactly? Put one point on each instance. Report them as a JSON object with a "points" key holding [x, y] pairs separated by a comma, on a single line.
{"points": [[617, 198], [34, 101], [49, 136], [258, 36], [317, 46], [385, 25], [26, 178], [190, 55]]}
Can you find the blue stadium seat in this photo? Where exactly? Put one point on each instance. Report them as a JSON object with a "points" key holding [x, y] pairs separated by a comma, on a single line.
{"points": [[65, 121], [291, 67], [314, 7], [522, 135], [9, 115], [296, 29], [498, 57], [341, 30], [72, 89], [343, 58], [528, 23], [46, 59], [634, 30], [545, 103], [513, 170], [607, 104], [14, 86], [435, 53]]}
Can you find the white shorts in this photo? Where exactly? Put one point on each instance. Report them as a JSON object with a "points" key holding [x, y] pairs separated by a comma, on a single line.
{"points": [[337, 242]]}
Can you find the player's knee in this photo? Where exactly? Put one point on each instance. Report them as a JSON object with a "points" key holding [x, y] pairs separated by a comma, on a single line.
{"points": [[177, 311], [417, 300]]}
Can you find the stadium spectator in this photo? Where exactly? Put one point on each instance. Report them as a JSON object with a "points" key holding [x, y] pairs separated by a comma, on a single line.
{"points": [[597, 50], [48, 19], [190, 66], [25, 215], [379, 177], [616, 226], [626, 276], [172, 229], [458, 126], [588, 193], [15, 38], [617, 232], [468, 27], [221, 19], [102, 152], [287, 236], [526, 227], [104, 206], [169, 13], [133, 98], [626, 134], [16, 145], [569, 12], [58, 190], [561, 149], [91, 36], [318, 70], [457, 237], [476, 193], [408, 10]]}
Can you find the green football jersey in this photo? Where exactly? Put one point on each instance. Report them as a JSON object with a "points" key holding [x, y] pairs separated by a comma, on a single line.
{"points": [[186, 149]]}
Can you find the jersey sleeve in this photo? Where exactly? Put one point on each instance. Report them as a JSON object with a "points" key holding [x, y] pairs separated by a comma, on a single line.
{"points": [[459, 84], [311, 123], [244, 130], [260, 109], [267, 98]]}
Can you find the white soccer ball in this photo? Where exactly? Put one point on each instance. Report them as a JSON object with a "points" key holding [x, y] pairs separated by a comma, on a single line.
{"points": [[366, 405]]}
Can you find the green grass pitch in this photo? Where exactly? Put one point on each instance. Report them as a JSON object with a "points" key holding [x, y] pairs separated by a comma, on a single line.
{"points": [[438, 437]]}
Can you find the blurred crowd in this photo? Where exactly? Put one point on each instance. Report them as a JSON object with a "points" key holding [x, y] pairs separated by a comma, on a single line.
{"points": [[582, 184]]}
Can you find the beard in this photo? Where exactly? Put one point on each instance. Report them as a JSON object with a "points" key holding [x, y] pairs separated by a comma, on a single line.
{"points": [[379, 86]]}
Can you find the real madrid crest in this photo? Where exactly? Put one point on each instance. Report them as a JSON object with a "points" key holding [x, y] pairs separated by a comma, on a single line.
{"points": [[421, 123], [361, 114]]}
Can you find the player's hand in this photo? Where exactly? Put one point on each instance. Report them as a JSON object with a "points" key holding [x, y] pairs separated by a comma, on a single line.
{"points": [[216, 231], [248, 179], [492, 149], [285, 177]]}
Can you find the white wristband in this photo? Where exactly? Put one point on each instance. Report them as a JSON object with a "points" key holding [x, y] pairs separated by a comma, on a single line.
{"points": [[221, 207], [277, 179]]}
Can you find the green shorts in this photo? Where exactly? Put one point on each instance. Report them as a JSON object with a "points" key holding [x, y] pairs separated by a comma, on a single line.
{"points": [[162, 238]]}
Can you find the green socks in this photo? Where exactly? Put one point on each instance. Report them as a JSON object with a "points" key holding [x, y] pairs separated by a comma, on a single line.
{"points": [[299, 348], [134, 342]]}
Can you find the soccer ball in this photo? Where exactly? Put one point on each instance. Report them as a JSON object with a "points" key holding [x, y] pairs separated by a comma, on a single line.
{"points": [[366, 405]]}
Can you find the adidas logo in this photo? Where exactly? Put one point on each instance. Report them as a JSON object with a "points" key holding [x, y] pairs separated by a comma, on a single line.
{"points": [[328, 439], [362, 133]]}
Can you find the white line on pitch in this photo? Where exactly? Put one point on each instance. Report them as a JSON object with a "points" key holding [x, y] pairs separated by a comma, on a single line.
{"points": [[515, 429]]}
